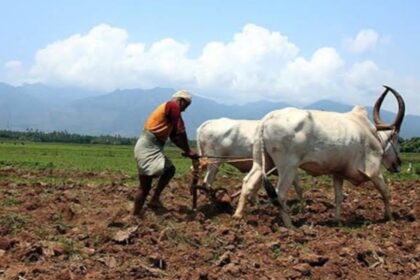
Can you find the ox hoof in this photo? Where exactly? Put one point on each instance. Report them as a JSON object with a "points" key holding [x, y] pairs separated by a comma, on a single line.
{"points": [[237, 216], [290, 226], [138, 215]]}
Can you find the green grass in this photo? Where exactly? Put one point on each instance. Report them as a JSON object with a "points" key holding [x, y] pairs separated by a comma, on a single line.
{"points": [[13, 222], [68, 156], [10, 201], [81, 157], [85, 157], [407, 159]]}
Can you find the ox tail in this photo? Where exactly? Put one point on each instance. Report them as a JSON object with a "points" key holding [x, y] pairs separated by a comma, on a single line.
{"points": [[271, 192]]}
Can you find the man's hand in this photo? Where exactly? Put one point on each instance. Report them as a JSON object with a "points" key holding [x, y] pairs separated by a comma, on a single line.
{"points": [[191, 154]]}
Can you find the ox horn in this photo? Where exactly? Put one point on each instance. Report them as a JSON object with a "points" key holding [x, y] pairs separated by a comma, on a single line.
{"points": [[380, 125]]}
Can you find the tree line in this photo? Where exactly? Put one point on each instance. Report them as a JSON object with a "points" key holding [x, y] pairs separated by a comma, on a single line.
{"points": [[31, 135], [411, 145], [63, 137]]}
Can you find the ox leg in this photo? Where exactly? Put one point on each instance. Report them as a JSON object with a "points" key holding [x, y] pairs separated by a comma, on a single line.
{"points": [[249, 185], [212, 170], [286, 178], [380, 185], [338, 190], [252, 198], [298, 188], [299, 192]]}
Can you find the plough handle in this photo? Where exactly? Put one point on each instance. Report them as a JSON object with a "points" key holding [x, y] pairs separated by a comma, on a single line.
{"points": [[194, 197], [193, 188]]}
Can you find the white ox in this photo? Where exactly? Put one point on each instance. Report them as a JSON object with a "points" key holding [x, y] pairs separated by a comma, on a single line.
{"points": [[229, 141], [344, 145]]}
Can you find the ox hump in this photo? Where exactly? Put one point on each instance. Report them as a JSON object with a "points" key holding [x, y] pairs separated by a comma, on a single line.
{"points": [[360, 111], [361, 114]]}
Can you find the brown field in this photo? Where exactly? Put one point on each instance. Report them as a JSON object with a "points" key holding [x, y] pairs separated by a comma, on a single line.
{"points": [[82, 229]]}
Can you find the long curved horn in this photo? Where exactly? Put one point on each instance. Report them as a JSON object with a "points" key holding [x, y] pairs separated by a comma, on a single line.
{"points": [[380, 125], [401, 109]]}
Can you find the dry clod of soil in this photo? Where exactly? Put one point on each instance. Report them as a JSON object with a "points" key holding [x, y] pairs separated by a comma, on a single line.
{"points": [[303, 268], [6, 243], [224, 259], [65, 275], [315, 260], [123, 236], [416, 277], [109, 261], [232, 268]]}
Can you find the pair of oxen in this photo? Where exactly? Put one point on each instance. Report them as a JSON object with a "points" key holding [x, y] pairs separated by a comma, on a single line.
{"points": [[347, 146]]}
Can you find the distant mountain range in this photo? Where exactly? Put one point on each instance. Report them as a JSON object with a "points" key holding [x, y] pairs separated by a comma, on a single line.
{"points": [[124, 112]]}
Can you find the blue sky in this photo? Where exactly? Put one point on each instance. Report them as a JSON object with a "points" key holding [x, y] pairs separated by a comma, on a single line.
{"points": [[235, 51]]}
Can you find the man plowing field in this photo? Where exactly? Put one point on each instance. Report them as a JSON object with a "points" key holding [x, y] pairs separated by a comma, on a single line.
{"points": [[163, 123]]}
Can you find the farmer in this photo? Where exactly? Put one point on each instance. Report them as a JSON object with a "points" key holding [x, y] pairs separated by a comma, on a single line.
{"points": [[164, 122]]}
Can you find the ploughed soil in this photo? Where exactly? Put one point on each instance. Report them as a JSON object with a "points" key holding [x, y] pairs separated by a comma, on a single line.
{"points": [[82, 229]]}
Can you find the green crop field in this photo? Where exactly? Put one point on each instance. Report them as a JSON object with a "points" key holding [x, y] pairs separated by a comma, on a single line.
{"points": [[80, 157], [67, 156], [117, 158]]}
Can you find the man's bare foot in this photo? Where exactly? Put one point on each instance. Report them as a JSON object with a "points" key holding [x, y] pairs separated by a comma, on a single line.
{"points": [[138, 213], [155, 204]]}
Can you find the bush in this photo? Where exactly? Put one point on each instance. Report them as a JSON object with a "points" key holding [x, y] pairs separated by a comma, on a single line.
{"points": [[416, 169]]}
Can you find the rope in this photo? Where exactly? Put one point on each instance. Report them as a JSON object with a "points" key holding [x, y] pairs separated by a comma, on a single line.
{"points": [[223, 159], [204, 160], [228, 161], [216, 161], [384, 143]]}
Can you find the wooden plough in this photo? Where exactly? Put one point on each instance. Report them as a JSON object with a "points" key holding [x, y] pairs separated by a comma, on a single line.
{"points": [[221, 195], [216, 195]]}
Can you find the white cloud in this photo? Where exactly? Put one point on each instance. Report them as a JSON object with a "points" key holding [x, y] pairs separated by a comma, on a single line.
{"points": [[14, 72], [321, 70], [364, 41], [255, 64], [365, 75], [13, 65], [104, 59], [251, 62]]}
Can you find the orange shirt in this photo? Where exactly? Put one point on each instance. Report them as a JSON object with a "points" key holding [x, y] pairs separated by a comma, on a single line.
{"points": [[165, 121]]}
